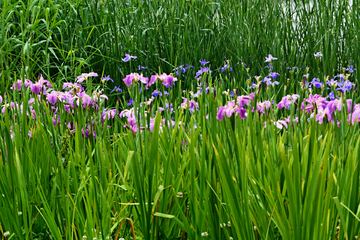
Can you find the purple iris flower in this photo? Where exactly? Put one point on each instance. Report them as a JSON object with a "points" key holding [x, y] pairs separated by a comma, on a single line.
{"points": [[35, 88], [85, 76], [141, 68], [275, 83], [224, 67], [270, 66], [343, 88], [270, 58], [267, 80], [315, 82], [341, 76], [231, 93], [241, 111], [331, 96], [318, 54], [169, 106], [293, 68], [243, 100], [52, 97], [128, 80], [273, 75], [118, 89], [128, 57], [242, 63], [332, 82], [351, 69], [201, 71], [108, 114], [348, 85], [166, 93], [197, 94], [106, 78], [156, 93], [130, 102], [182, 69], [17, 85], [203, 62]]}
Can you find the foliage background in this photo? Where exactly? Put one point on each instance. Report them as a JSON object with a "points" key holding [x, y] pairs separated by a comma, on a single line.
{"points": [[61, 39]]}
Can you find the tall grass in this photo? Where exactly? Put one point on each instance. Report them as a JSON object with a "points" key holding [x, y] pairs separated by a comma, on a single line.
{"points": [[64, 38]]}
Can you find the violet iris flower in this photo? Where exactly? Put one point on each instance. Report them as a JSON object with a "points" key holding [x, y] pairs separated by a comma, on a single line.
{"points": [[85, 76], [128, 57], [322, 113], [141, 68], [182, 69], [167, 80], [17, 85], [227, 110], [270, 58], [106, 78], [52, 97], [273, 75], [35, 88], [315, 82], [201, 71], [118, 89], [109, 114], [243, 100], [226, 66], [351, 69], [192, 104], [241, 111], [262, 106], [156, 93], [135, 77], [331, 96], [203, 62], [280, 124], [318, 54], [332, 82]]}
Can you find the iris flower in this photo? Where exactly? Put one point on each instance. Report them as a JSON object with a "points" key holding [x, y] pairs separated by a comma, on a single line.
{"points": [[203, 62], [135, 77], [141, 68], [52, 97], [85, 76], [118, 89], [106, 78], [128, 57], [351, 69], [270, 58], [318, 54]]}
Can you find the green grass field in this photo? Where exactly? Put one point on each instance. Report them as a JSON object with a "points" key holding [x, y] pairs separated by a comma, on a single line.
{"points": [[238, 144]]}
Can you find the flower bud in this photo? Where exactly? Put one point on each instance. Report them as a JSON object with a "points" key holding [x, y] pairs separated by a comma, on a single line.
{"points": [[204, 234]]}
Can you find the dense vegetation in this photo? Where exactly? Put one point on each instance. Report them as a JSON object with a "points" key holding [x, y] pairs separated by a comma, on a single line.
{"points": [[172, 120]]}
